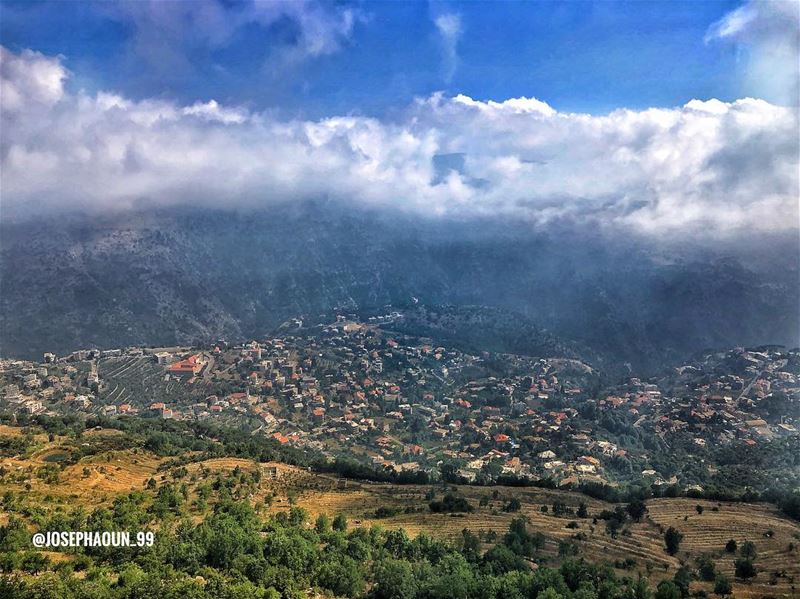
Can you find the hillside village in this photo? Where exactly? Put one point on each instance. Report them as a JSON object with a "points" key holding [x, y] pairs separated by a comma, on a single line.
{"points": [[408, 404]]}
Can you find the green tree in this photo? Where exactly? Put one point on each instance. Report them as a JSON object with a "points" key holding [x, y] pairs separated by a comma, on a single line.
{"points": [[682, 579], [672, 540], [706, 568], [340, 523], [745, 568], [722, 586], [342, 575], [34, 562], [748, 550], [500, 560], [322, 524], [667, 590], [470, 545], [636, 509], [394, 579]]}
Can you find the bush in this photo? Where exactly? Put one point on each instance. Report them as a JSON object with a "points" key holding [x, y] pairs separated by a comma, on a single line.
{"points": [[340, 523], [706, 568], [745, 568], [450, 503], [748, 550], [667, 590], [672, 540], [722, 586], [636, 509], [386, 512]]}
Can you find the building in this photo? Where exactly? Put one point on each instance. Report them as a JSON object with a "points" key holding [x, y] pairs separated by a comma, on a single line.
{"points": [[186, 368]]}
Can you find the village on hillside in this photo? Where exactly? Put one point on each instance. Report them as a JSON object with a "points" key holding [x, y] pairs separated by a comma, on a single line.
{"points": [[411, 405]]}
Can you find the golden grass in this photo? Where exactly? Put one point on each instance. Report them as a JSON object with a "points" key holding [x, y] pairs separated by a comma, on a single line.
{"points": [[113, 473]]}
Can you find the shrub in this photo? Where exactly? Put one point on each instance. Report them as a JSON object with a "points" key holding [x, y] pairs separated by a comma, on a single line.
{"points": [[722, 586], [672, 540], [745, 568], [450, 503]]}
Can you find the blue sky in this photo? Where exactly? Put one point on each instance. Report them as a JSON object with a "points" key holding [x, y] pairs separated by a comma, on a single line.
{"points": [[577, 56], [665, 119]]}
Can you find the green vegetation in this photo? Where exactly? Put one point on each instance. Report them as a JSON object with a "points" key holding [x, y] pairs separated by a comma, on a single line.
{"points": [[672, 540], [722, 586], [233, 553], [450, 503]]}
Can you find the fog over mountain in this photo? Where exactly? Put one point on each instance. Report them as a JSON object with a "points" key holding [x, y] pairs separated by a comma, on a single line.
{"points": [[197, 275], [643, 234]]}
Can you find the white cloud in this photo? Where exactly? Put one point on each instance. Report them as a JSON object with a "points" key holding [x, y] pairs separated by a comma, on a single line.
{"points": [[166, 34], [449, 27], [769, 31], [30, 79], [709, 167]]}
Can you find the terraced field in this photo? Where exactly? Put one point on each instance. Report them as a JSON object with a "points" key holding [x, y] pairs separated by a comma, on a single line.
{"points": [[140, 381], [760, 523], [704, 533], [97, 479]]}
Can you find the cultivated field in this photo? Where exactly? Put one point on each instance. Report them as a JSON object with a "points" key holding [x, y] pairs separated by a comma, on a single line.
{"points": [[98, 478]]}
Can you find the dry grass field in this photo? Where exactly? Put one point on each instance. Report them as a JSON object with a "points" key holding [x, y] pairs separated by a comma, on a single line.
{"points": [[94, 480], [97, 479], [704, 534]]}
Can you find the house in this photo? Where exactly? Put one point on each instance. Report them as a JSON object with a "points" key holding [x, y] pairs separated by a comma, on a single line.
{"points": [[33, 407], [162, 357], [186, 368], [82, 402]]}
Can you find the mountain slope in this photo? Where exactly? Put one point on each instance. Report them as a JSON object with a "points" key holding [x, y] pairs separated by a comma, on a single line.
{"points": [[181, 277]]}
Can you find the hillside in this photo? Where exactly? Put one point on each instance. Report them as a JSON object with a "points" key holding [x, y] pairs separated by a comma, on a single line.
{"points": [[36, 488], [189, 276]]}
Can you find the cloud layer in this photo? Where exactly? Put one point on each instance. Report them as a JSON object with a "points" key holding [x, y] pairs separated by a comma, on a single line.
{"points": [[769, 32], [709, 166]]}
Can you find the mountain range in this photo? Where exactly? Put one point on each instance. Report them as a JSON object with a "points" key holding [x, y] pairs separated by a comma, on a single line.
{"points": [[184, 275]]}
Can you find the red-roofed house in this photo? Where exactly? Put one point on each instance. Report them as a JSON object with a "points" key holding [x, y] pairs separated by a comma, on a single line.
{"points": [[186, 368]]}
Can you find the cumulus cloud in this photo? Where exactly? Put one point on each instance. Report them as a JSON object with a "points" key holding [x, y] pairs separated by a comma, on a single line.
{"points": [[714, 167], [449, 28], [769, 31], [30, 79]]}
